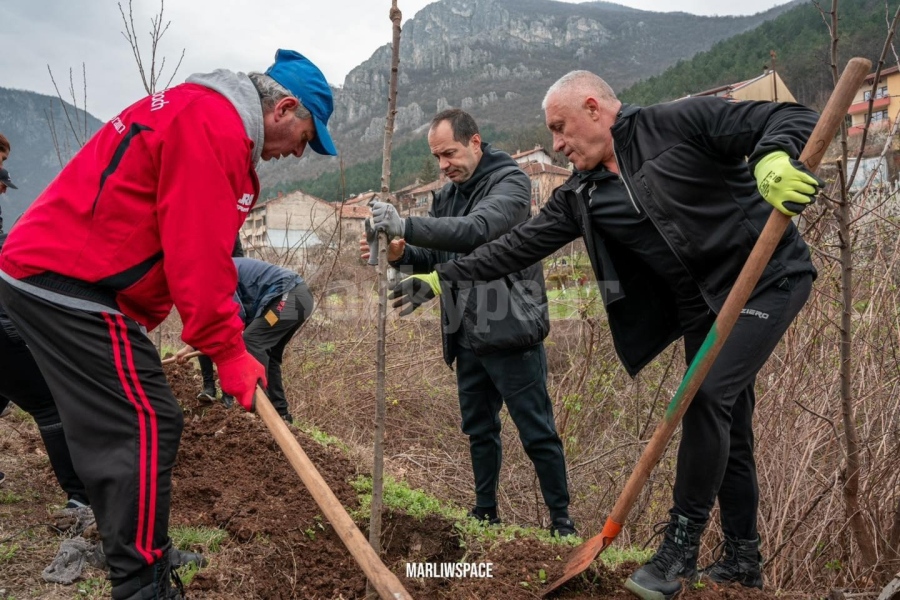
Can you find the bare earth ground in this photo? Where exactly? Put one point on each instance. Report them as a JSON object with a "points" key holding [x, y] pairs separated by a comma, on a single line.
{"points": [[231, 475]]}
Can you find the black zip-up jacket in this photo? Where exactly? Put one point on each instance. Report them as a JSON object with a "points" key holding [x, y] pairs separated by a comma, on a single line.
{"points": [[689, 165], [504, 312]]}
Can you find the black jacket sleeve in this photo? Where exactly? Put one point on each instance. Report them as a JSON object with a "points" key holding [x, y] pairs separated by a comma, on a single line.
{"points": [[507, 203], [552, 228]]}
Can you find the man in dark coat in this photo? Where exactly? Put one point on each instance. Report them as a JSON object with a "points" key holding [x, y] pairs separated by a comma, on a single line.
{"points": [[494, 329], [670, 200]]}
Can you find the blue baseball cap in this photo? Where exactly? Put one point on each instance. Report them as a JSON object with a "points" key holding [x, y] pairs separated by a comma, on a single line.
{"points": [[305, 81]]}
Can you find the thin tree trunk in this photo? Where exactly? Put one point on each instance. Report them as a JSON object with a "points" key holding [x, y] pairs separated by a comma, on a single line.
{"points": [[378, 467], [850, 476]]}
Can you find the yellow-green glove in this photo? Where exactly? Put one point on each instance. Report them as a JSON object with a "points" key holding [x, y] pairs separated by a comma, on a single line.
{"points": [[415, 290], [785, 183]]}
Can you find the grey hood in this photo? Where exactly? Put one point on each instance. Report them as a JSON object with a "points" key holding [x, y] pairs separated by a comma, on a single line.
{"points": [[241, 92]]}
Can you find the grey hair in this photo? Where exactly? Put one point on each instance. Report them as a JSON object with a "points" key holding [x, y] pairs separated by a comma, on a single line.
{"points": [[581, 81], [270, 92]]}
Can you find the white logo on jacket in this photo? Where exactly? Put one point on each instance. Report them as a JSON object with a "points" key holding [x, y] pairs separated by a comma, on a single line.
{"points": [[118, 124], [158, 100], [245, 202]]}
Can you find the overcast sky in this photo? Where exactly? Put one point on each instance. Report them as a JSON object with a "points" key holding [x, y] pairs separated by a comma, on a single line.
{"points": [[241, 35]]}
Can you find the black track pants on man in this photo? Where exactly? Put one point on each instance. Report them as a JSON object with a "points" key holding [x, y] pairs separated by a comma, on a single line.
{"points": [[121, 419]]}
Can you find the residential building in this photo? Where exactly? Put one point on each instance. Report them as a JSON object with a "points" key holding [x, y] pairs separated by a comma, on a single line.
{"points": [[768, 86], [290, 224], [545, 178], [535, 155], [885, 102]]}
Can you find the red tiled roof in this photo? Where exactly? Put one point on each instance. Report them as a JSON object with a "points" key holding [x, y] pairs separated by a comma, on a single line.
{"points": [[354, 211]]}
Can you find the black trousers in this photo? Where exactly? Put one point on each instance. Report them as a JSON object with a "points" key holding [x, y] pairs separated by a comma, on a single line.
{"points": [[518, 378], [23, 383], [121, 420], [267, 336], [715, 457]]}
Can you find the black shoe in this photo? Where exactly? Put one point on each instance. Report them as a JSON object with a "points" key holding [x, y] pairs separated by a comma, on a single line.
{"points": [[487, 516], [562, 527], [674, 561], [287, 418], [227, 400], [180, 558], [2, 476], [76, 502], [158, 581], [207, 394], [739, 561]]}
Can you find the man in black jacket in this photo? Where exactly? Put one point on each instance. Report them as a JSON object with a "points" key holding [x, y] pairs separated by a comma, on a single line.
{"points": [[670, 205], [493, 328]]}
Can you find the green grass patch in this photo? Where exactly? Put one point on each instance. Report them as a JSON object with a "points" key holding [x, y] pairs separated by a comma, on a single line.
{"points": [[198, 539], [568, 303], [320, 437], [7, 497], [7, 552], [399, 496], [187, 573], [614, 556]]}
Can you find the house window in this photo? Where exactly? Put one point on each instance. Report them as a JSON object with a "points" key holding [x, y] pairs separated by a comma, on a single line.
{"points": [[866, 95], [882, 92]]}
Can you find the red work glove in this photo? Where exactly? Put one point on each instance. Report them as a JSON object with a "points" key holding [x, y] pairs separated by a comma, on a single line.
{"points": [[239, 376]]}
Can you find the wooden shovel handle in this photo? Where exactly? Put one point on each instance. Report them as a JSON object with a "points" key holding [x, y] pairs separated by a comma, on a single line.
{"points": [[385, 583], [170, 360]]}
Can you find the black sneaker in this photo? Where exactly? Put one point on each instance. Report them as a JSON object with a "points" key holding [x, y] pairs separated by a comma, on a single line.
{"points": [[287, 418], [487, 516], [75, 502], [227, 400], [675, 560], [562, 527], [738, 561], [207, 394]]}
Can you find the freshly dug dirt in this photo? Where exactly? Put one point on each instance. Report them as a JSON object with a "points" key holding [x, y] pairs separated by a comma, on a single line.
{"points": [[231, 475]]}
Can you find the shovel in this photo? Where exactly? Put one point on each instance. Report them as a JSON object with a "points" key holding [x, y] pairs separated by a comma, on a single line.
{"points": [[829, 122], [385, 583]]}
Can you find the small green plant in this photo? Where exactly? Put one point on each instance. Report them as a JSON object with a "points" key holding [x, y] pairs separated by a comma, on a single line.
{"points": [[698, 585], [7, 552], [203, 539], [614, 555], [542, 575], [834, 565], [320, 437], [93, 588], [310, 533], [7, 497], [187, 573]]}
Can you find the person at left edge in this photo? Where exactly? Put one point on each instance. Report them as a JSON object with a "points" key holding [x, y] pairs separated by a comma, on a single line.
{"points": [[144, 217]]}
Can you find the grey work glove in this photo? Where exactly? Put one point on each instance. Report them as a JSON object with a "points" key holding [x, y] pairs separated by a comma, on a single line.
{"points": [[386, 218]]}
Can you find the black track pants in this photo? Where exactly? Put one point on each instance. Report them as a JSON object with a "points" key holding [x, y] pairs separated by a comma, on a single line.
{"points": [[715, 458], [121, 420]]}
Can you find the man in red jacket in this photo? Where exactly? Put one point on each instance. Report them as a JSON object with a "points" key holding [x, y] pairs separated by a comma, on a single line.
{"points": [[144, 217]]}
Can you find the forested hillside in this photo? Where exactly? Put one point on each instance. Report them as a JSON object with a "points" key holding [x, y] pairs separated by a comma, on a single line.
{"points": [[802, 45]]}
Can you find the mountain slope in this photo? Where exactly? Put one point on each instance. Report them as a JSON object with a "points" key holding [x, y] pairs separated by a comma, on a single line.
{"points": [[25, 119], [496, 58]]}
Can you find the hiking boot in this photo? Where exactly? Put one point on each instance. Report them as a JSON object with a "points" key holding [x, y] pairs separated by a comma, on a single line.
{"points": [[159, 581], [487, 516], [562, 527], [739, 561], [207, 394], [227, 400], [674, 561], [180, 558]]}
